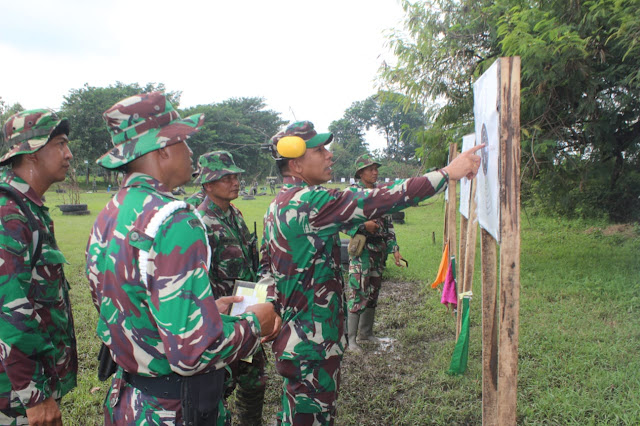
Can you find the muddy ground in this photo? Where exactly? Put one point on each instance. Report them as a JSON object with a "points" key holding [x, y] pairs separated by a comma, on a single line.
{"points": [[394, 382]]}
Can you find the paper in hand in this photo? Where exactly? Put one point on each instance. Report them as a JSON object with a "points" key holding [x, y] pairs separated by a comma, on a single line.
{"points": [[253, 293]]}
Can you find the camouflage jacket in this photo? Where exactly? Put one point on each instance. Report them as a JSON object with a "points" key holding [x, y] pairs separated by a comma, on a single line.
{"points": [[230, 242], [37, 340], [301, 251], [171, 323], [384, 239], [196, 198]]}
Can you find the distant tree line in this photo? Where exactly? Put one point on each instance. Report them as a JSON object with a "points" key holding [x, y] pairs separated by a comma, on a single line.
{"points": [[242, 126], [239, 125]]}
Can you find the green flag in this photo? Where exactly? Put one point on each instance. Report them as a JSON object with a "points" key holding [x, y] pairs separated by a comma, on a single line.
{"points": [[461, 351]]}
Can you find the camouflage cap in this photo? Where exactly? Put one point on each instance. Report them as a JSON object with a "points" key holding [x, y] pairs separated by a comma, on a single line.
{"points": [[28, 131], [363, 162], [214, 165], [143, 123], [304, 130]]}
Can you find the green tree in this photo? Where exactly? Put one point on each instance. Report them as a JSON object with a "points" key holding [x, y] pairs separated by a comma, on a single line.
{"points": [[401, 124], [580, 86], [348, 144], [240, 126], [7, 111], [400, 121], [84, 108]]}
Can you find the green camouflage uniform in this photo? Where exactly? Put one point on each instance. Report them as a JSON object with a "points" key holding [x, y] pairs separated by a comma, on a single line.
{"points": [[231, 259], [301, 251], [162, 318], [196, 198], [229, 239], [365, 271], [37, 341], [364, 292]]}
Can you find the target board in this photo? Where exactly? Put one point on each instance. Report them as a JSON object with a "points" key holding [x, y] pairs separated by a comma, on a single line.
{"points": [[487, 127]]}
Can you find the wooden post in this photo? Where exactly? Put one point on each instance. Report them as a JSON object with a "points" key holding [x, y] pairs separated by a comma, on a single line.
{"points": [[445, 236], [509, 99], [461, 261], [471, 233], [452, 236], [489, 330], [452, 208]]}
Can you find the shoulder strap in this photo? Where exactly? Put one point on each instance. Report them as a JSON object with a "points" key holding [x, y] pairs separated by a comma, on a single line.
{"points": [[153, 225], [33, 223]]}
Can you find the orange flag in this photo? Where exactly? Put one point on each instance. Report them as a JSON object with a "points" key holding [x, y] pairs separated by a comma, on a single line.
{"points": [[444, 267]]}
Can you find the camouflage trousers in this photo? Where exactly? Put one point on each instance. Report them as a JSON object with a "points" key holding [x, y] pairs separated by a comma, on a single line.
{"points": [[310, 391], [250, 381], [126, 405], [363, 290]]}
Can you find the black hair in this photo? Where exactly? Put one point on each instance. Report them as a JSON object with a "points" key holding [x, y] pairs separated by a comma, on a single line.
{"points": [[62, 128], [283, 166]]}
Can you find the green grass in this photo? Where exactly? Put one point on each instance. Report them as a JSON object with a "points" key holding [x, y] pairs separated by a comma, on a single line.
{"points": [[579, 329]]}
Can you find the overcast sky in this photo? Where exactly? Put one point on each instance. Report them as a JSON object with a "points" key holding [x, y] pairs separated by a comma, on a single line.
{"points": [[310, 59]]}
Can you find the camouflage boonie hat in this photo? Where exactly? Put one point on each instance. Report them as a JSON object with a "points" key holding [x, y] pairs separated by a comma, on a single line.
{"points": [[363, 162], [214, 165], [143, 123], [28, 131], [304, 130]]}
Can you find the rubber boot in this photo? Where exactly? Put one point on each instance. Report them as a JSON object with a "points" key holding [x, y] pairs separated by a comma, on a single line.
{"points": [[249, 404], [352, 327], [366, 326]]}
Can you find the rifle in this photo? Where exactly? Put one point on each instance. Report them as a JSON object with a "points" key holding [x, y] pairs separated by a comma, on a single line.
{"points": [[253, 246]]}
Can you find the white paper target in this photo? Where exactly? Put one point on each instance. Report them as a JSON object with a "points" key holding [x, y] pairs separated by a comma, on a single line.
{"points": [[485, 110]]}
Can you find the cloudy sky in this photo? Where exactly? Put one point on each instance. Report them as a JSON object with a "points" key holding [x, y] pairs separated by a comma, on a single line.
{"points": [[309, 59]]}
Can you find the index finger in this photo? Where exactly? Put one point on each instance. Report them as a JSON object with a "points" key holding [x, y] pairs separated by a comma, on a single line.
{"points": [[476, 148]]}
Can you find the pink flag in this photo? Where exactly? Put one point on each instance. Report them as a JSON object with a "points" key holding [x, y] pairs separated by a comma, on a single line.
{"points": [[449, 290]]}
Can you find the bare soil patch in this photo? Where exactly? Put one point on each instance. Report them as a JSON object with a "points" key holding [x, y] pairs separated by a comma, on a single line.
{"points": [[628, 230]]}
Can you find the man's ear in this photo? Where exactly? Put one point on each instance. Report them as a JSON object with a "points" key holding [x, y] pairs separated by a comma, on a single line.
{"points": [[163, 153], [294, 165], [207, 186]]}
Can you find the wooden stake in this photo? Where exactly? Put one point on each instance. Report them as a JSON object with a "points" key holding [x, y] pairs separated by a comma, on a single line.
{"points": [[509, 100], [461, 262], [471, 233], [452, 208], [452, 236], [489, 329], [445, 235]]}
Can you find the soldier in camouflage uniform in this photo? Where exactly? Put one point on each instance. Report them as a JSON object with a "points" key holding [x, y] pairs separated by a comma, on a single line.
{"points": [[231, 258], [147, 264], [365, 270], [301, 252], [39, 362], [196, 198]]}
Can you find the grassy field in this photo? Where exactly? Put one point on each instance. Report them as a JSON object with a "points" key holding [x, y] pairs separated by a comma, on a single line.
{"points": [[579, 329]]}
